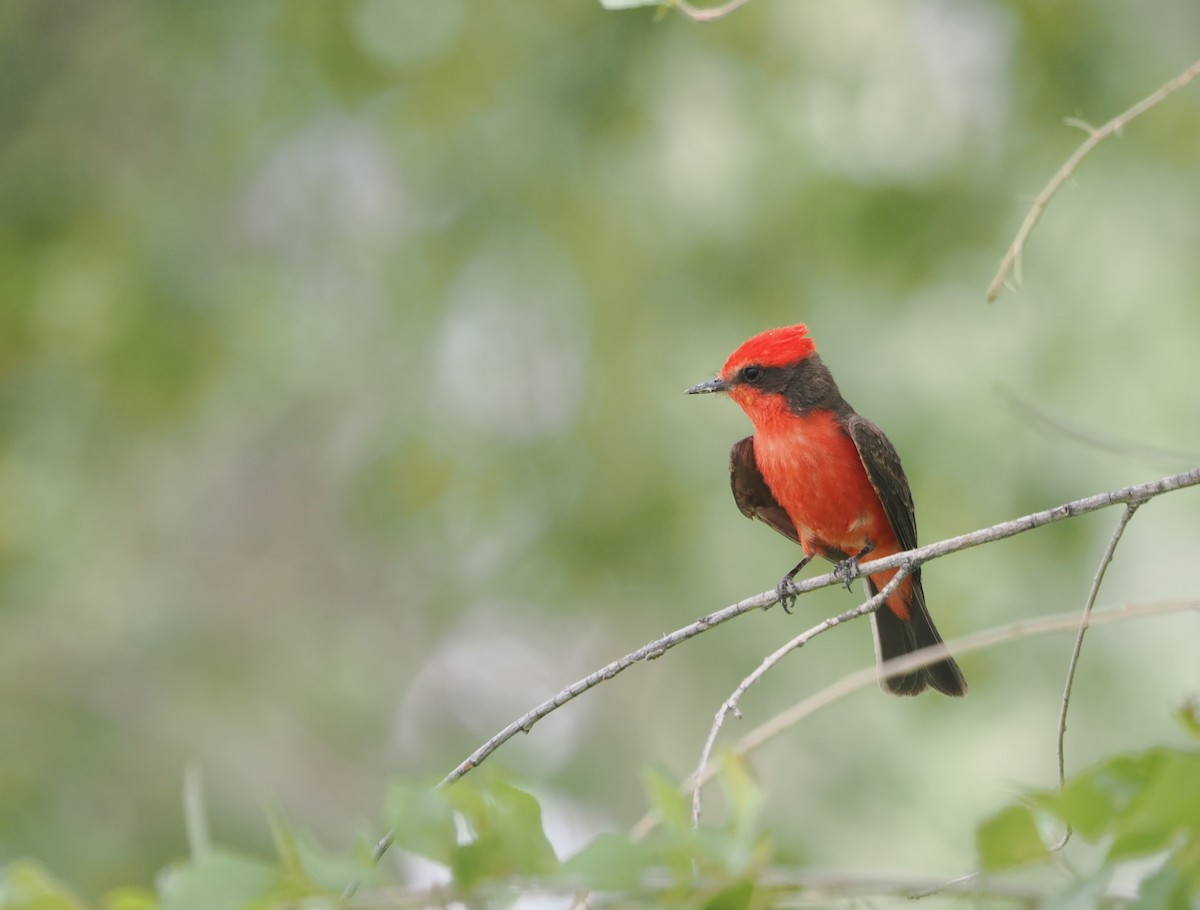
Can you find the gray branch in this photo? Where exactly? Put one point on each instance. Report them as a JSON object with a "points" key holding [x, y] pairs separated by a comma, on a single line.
{"points": [[1135, 494]]}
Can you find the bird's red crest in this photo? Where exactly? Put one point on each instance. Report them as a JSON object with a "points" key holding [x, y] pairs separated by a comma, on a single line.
{"points": [[772, 348]]}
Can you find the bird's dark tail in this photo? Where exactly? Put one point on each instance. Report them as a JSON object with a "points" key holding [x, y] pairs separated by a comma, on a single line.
{"points": [[895, 636]]}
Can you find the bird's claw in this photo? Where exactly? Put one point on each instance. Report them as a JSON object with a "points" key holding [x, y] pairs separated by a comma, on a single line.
{"points": [[846, 571], [786, 592]]}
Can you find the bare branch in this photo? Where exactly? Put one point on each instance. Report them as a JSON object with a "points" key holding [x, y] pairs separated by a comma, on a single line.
{"points": [[1011, 263], [650, 651], [976, 641], [731, 704], [909, 560], [658, 647], [965, 644]]}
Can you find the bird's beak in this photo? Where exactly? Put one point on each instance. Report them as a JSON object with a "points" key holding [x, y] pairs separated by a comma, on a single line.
{"points": [[713, 385]]}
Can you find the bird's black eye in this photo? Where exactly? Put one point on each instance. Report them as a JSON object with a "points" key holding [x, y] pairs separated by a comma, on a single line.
{"points": [[752, 374]]}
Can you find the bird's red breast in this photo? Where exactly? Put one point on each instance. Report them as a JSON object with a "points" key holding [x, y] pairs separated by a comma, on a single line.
{"points": [[814, 470]]}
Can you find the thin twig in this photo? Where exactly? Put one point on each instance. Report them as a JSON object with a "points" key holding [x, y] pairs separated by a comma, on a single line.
{"points": [[1084, 621], [1105, 560], [1012, 259], [965, 644], [650, 651], [730, 705], [1104, 442], [1072, 664], [195, 818], [861, 679]]}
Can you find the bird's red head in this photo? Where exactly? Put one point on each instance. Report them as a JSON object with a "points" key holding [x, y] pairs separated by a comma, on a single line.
{"points": [[757, 373], [773, 348]]}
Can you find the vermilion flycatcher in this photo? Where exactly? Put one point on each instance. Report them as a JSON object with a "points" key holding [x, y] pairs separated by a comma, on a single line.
{"points": [[823, 476]]}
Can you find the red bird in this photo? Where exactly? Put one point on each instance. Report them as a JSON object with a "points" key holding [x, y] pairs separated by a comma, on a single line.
{"points": [[823, 476]]}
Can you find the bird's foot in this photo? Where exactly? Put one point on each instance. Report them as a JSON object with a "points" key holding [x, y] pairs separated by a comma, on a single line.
{"points": [[786, 592], [786, 589], [846, 571]]}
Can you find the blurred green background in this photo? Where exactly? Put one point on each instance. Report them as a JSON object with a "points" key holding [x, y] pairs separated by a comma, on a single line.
{"points": [[342, 350]]}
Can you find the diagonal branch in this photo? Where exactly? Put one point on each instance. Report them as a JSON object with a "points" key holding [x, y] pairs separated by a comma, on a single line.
{"points": [[915, 557], [730, 705], [965, 644], [909, 559], [976, 641], [1012, 259]]}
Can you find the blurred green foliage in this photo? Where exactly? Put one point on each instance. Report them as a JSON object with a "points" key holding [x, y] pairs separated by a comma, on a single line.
{"points": [[342, 348], [1143, 809], [484, 843]]}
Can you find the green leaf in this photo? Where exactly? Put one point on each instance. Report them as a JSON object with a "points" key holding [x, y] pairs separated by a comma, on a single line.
{"points": [[421, 820], [1093, 799], [1168, 804], [745, 800], [736, 896], [612, 862], [217, 881], [744, 795], [1189, 717], [1083, 894], [1186, 861], [1166, 889], [479, 861], [508, 837], [285, 847], [1009, 838], [130, 898], [308, 869], [672, 807], [1142, 801], [25, 885], [521, 823], [470, 799]]}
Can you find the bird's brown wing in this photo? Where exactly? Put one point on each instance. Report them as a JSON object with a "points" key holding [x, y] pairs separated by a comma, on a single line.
{"points": [[751, 492], [896, 635], [879, 457]]}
